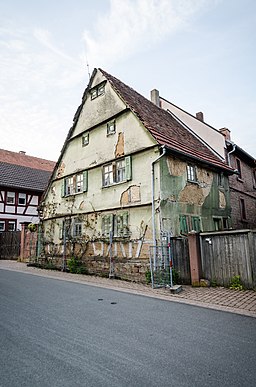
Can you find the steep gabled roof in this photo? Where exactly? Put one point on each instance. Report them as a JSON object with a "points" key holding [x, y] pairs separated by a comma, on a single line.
{"points": [[19, 171], [163, 127]]}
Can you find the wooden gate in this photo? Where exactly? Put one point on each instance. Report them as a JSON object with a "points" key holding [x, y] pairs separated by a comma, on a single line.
{"points": [[181, 261], [10, 245]]}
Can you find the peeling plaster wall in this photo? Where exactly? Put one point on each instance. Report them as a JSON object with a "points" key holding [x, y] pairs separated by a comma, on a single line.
{"points": [[203, 199]]}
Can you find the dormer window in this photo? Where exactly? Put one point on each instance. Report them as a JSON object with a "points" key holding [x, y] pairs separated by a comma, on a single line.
{"points": [[98, 90]]}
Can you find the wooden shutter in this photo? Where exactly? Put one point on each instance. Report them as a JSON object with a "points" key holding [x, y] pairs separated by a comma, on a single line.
{"points": [[85, 181], [63, 188], [128, 168]]}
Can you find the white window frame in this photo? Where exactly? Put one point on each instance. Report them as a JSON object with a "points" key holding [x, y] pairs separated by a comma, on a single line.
{"points": [[10, 195], [97, 90], [85, 139], [77, 228], [191, 173], [111, 128], [20, 197], [118, 171], [75, 184]]}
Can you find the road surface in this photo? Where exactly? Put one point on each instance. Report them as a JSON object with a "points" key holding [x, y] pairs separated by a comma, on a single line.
{"points": [[58, 333]]}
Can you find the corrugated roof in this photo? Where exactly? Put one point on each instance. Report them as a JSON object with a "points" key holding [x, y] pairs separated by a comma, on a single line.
{"points": [[163, 127], [18, 176], [20, 158]]}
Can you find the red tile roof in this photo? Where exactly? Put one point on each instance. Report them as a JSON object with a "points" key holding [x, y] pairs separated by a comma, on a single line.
{"points": [[163, 127], [20, 158]]}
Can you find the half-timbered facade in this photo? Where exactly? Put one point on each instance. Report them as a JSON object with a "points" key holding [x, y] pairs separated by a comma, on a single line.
{"points": [[22, 181]]}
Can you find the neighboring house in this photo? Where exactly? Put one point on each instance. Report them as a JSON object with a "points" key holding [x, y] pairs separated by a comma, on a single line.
{"points": [[22, 181], [243, 184], [129, 172]]}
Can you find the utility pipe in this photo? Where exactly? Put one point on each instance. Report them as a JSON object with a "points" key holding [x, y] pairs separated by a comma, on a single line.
{"points": [[153, 203], [229, 153]]}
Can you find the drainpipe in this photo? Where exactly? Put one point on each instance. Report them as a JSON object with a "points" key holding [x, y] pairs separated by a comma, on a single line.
{"points": [[229, 153], [153, 203]]}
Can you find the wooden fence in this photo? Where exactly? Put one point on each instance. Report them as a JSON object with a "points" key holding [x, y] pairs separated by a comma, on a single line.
{"points": [[10, 245], [227, 254]]}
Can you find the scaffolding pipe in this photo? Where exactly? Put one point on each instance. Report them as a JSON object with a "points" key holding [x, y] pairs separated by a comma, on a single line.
{"points": [[153, 204]]}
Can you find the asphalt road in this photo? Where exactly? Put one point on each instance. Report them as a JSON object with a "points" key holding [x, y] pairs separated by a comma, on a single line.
{"points": [[57, 333]]}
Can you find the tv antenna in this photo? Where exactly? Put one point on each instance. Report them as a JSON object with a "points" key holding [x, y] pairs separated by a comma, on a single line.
{"points": [[88, 69]]}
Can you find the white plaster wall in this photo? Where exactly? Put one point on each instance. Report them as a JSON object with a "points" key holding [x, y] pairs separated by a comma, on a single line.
{"points": [[211, 136]]}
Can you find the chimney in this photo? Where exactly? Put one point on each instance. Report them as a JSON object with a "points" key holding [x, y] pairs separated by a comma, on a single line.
{"points": [[226, 133], [22, 152], [154, 96], [200, 116]]}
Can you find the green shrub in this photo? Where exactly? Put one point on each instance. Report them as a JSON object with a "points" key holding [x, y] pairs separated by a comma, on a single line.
{"points": [[75, 266], [235, 283]]}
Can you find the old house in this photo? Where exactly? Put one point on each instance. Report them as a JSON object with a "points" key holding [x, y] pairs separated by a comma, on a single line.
{"points": [[242, 184], [23, 179], [128, 172]]}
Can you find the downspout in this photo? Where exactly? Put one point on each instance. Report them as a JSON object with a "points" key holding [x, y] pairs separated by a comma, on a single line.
{"points": [[153, 204], [229, 153]]}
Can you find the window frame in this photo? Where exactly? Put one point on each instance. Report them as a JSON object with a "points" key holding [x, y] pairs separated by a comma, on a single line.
{"points": [[70, 184], [117, 223], [239, 169], [25, 199], [119, 167], [111, 128], [12, 203], [191, 173], [98, 90], [85, 139]]}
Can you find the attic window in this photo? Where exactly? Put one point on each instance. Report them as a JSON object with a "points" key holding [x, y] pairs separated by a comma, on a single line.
{"points": [[97, 91]]}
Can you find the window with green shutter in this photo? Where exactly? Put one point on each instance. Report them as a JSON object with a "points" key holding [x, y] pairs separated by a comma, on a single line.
{"points": [[75, 184], [196, 225], [183, 224], [117, 172]]}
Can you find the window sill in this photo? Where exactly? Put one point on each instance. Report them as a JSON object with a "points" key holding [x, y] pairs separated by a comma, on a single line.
{"points": [[114, 184]]}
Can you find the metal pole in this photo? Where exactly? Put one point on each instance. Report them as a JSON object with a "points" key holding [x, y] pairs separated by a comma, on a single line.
{"points": [[153, 206], [170, 259]]}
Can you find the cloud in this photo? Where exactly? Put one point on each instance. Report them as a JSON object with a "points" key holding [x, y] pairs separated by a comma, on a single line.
{"points": [[133, 25], [38, 95]]}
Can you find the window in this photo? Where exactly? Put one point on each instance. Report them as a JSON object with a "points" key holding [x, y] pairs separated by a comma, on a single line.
{"points": [[75, 184], [22, 199], [191, 173], [65, 229], [11, 225], [242, 209], [238, 167], [79, 182], [111, 128], [217, 224], [225, 223], [117, 224], [85, 139], [77, 227], [183, 224], [220, 180], [117, 171], [195, 220], [98, 90], [10, 198], [2, 225]]}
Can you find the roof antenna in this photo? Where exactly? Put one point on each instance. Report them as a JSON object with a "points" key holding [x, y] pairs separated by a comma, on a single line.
{"points": [[88, 70]]}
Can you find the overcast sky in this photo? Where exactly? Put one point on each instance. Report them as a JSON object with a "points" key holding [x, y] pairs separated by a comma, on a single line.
{"points": [[200, 55]]}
